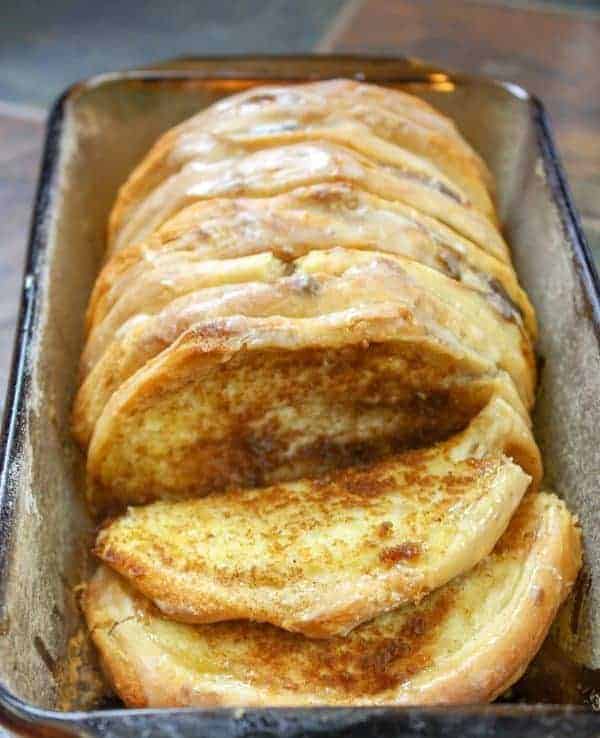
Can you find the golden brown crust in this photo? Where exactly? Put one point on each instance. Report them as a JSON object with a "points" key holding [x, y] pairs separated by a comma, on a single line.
{"points": [[321, 556], [465, 643], [309, 312], [557, 552], [319, 284], [240, 385]]}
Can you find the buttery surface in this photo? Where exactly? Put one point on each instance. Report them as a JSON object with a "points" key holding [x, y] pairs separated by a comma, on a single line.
{"points": [[308, 218], [299, 278], [396, 129], [320, 556], [245, 356], [465, 643], [255, 401], [308, 348]]}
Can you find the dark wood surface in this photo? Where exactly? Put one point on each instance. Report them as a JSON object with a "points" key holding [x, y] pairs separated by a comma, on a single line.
{"points": [[552, 52]]}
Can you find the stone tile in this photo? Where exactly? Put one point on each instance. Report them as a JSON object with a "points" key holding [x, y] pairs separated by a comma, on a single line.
{"points": [[552, 54], [45, 46]]}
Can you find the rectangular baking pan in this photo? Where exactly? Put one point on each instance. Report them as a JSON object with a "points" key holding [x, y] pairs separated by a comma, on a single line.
{"points": [[96, 133]]}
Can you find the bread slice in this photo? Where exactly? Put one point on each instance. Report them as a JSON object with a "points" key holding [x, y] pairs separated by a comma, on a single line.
{"points": [[336, 279], [245, 402], [154, 288], [319, 284], [403, 130], [465, 643], [271, 171], [202, 150], [512, 349], [319, 217], [260, 389], [322, 556], [414, 124]]}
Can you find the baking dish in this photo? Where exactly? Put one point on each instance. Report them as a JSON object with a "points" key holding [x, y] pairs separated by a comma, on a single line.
{"points": [[97, 131]]}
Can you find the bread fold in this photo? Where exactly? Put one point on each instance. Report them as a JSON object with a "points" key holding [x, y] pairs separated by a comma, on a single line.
{"points": [[463, 644], [304, 399]]}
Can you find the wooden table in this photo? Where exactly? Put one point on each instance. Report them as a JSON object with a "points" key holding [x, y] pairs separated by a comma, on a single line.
{"points": [[551, 52]]}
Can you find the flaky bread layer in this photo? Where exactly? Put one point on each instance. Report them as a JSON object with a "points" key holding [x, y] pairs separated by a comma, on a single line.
{"points": [[317, 217], [320, 556], [321, 284], [428, 141], [465, 643], [241, 401]]}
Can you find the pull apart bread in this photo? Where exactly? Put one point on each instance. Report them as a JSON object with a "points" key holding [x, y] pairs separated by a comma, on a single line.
{"points": [[320, 556], [467, 642], [304, 398]]}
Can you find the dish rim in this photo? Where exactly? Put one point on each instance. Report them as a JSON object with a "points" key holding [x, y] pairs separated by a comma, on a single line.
{"points": [[508, 718]]}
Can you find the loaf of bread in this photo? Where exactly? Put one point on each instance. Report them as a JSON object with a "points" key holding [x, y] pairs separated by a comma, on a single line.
{"points": [[304, 400]]}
